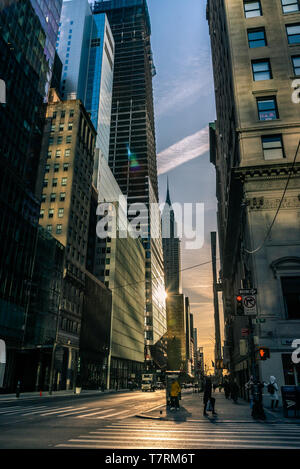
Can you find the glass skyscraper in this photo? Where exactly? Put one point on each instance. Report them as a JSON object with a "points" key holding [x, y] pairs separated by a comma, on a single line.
{"points": [[85, 45], [132, 152]]}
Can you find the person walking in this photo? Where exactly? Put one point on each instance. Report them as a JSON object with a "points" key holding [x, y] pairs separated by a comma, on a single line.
{"points": [[234, 390], [227, 389], [174, 393], [255, 387], [273, 389], [207, 397]]}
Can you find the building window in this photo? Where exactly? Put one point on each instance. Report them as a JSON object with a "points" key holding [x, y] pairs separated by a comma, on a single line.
{"points": [[51, 139], [291, 296], [257, 37], [62, 197], [58, 229], [52, 128], [70, 126], [252, 9], [54, 115], [45, 183], [56, 167], [47, 168], [54, 182], [60, 212], [49, 228], [272, 147], [58, 153], [50, 212], [66, 166], [42, 213], [290, 6], [69, 139], [52, 197], [293, 33], [296, 64], [267, 109], [67, 152], [59, 140], [44, 198], [64, 181], [61, 127], [261, 70], [49, 154], [71, 113]]}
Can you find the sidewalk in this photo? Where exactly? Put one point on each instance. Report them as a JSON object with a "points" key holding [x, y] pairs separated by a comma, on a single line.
{"points": [[32, 395], [191, 409]]}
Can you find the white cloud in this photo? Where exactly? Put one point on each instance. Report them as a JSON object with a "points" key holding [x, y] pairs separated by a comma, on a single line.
{"points": [[185, 150]]}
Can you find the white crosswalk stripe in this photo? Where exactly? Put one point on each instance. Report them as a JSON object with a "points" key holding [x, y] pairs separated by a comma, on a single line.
{"points": [[164, 435]]}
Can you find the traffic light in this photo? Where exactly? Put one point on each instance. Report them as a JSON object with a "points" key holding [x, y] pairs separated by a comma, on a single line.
{"points": [[239, 306], [263, 353]]}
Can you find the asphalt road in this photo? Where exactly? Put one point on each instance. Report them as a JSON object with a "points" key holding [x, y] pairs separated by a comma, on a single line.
{"points": [[109, 421]]}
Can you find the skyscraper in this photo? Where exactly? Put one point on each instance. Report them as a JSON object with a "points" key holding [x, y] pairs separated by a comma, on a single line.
{"points": [[25, 66], [171, 248], [254, 147], [132, 153], [86, 47]]}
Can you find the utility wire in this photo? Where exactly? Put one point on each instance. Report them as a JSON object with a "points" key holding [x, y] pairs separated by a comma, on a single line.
{"points": [[278, 208], [162, 276]]}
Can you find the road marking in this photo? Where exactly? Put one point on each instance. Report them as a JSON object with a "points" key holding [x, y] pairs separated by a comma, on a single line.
{"points": [[95, 413], [57, 411], [112, 415], [198, 445]]}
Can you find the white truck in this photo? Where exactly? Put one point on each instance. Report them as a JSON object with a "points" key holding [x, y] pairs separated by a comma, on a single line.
{"points": [[148, 382]]}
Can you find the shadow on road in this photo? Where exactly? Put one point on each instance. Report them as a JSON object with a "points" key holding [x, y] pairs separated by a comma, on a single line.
{"points": [[178, 416]]}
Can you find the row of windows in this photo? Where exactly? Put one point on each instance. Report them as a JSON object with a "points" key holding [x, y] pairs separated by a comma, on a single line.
{"points": [[58, 230], [61, 127], [58, 153], [257, 36], [56, 167], [60, 213], [63, 114], [62, 197], [254, 8], [55, 182], [60, 139]]}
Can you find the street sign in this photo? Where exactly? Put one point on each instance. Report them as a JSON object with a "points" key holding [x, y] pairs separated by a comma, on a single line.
{"points": [[248, 291], [249, 303]]}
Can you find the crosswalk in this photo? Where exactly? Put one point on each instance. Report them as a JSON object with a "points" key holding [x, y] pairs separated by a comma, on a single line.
{"points": [[66, 411], [166, 435]]}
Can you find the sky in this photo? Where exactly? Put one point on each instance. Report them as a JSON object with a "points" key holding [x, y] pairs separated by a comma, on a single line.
{"points": [[184, 105]]}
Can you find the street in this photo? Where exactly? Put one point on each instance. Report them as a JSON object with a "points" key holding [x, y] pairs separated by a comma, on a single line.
{"points": [[137, 420]]}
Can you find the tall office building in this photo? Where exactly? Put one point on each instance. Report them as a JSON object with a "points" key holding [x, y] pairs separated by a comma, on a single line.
{"points": [[256, 55], [132, 153], [171, 248], [25, 67], [85, 45], [68, 150]]}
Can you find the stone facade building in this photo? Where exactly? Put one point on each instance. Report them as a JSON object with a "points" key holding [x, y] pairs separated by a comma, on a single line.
{"points": [[254, 147]]}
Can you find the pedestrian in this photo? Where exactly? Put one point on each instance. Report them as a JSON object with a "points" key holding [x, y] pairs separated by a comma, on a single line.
{"points": [[174, 393], [207, 397], [248, 386], [226, 389], [234, 390], [255, 388], [272, 388]]}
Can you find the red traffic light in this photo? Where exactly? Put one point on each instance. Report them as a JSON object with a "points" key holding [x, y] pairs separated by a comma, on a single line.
{"points": [[239, 299], [264, 353]]}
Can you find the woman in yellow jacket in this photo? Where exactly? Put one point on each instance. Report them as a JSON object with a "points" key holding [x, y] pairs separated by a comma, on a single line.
{"points": [[175, 390]]}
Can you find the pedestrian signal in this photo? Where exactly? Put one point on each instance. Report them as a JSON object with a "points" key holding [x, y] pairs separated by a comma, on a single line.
{"points": [[239, 306], [263, 353]]}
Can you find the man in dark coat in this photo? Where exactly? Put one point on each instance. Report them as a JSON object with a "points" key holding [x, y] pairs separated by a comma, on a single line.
{"points": [[208, 397]]}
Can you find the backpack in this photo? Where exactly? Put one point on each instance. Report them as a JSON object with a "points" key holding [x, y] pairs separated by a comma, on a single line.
{"points": [[271, 388]]}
